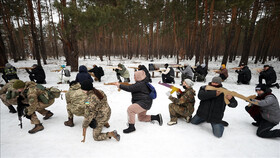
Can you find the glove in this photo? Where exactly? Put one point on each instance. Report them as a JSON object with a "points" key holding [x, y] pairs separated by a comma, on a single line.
{"points": [[93, 124], [168, 93], [236, 70]]}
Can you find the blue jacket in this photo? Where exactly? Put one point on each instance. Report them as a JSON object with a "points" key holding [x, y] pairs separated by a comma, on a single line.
{"points": [[83, 75]]}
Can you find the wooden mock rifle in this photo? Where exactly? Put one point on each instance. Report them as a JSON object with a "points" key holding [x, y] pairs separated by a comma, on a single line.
{"points": [[132, 67], [174, 89], [26, 68], [92, 74], [55, 70], [114, 68], [236, 68], [232, 93], [113, 83], [216, 71]]}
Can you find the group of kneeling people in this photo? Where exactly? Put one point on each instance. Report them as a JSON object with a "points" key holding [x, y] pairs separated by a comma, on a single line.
{"points": [[85, 100]]}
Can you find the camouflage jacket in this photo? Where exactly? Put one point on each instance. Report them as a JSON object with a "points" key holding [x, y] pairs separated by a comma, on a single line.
{"points": [[8, 87], [8, 93], [31, 95], [95, 108], [75, 99], [186, 99]]}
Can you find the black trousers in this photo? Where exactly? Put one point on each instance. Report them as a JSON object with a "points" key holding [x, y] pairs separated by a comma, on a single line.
{"points": [[242, 79], [167, 79], [9, 77]]}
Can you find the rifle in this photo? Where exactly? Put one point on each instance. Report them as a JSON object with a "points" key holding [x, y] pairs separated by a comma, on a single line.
{"points": [[64, 91], [26, 68], [92, 74], [216, 71], [232, 93], [20, 109], [171, 87], [113, 83], [114, 68], [55, 70], [236, 68], [258, 69]]}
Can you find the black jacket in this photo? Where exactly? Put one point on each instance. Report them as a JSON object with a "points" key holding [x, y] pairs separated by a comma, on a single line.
{"points": [[212, 107], [96, 72], [201, 71], [38, 73], [140, 94], [245, 73], [269, 75], [83, 75]]}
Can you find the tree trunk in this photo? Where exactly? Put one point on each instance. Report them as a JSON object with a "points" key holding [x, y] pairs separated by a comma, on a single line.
{"points": [[42, 42], [3, 59]]}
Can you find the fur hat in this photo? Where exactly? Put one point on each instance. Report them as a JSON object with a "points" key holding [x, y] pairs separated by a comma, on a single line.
{"points": [[189, 82], [18, 84], [217, 80], [139, 75], [86, 85], [261, 87]]}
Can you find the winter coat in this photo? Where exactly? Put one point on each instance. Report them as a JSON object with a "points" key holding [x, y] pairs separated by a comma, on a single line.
{"points": [[123, 72], [139, 91], [169, 72], [224, 72], [269, 75], [187, 71], [212, 107], [39, 73], [10, 71], [95, 108], [186, 100], [269, 107], [96, 72], [75, 99], [83, 75], [8, 94], [201, 71], [245, 72]]}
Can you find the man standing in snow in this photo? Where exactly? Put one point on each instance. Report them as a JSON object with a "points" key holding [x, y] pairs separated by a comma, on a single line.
{"points": [[35, 96], [212, 107], [183, 105], [266, 113]]}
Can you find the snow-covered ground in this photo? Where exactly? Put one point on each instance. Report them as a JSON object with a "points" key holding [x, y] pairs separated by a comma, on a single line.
{"points": [[149, 140]]}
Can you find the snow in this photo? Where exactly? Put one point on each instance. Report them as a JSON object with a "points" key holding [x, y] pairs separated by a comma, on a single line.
{"points": [[149, 140]]}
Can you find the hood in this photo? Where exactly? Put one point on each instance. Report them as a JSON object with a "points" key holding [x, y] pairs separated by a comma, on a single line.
{"points": [[83, 68], [139, 75]]}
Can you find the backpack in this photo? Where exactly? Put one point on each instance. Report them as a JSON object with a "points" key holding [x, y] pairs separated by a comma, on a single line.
{"points": [[153, 93], [101, 72], [67, 73], [48, 93]]}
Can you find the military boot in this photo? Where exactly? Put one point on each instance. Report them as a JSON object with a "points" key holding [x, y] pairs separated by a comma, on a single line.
{"points": [[158, 118], [130, 128], [37, 128], [114, 134], [69, 123], [48, 115], [12, 109]]}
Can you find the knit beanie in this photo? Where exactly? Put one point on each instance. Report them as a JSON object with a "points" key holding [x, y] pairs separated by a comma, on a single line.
{"points": [[139, 75], [87, 85], [223, 66], [261, 87], [18, 84], [266, 66], [189, 82], [217, 80]]}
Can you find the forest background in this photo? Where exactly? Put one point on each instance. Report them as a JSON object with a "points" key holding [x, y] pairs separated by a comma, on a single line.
{"points": [[184, 29]]}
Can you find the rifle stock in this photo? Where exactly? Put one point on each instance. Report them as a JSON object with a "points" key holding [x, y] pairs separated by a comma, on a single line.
{"points": [[236, 68], [26, 68], [232, 93]]}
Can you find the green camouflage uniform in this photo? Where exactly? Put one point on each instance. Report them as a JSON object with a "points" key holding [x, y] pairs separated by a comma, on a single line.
{"points": [[31, 94], [98, 110], [75, 99], [183, 105], [8, 94]]}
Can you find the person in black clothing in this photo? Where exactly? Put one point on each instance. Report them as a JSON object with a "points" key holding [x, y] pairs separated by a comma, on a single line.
{"points": [[97, 71], [244, 74], [9, 73], [168, 75], [212, 107], [37, 74], [269, 75], [148, 75], [200, 73], [83, 75]]}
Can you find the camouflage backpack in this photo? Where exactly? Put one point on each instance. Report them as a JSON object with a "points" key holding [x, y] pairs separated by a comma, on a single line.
{"points": [[48, 93]]}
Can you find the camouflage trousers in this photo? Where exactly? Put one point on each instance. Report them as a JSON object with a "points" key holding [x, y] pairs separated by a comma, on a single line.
{"points": [[34, 119], [8, 102], [177, 111], [101, 120]]}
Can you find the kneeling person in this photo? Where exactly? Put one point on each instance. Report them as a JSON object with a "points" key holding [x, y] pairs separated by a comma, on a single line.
{"points": [[9, 95], [183, 105]]}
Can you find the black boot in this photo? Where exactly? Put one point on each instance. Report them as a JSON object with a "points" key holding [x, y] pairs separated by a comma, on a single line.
{"points": [[224, 123], [157, 118], [130, 128], [12, 109]]}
